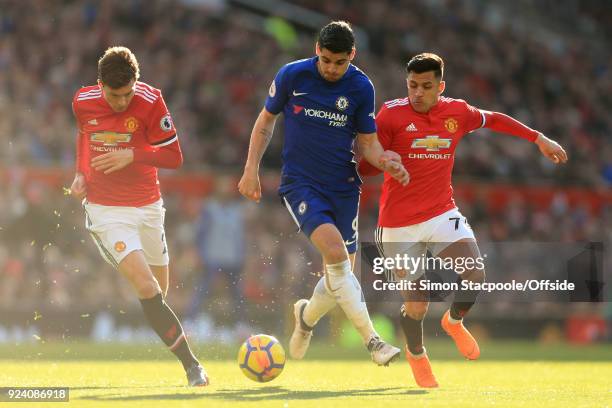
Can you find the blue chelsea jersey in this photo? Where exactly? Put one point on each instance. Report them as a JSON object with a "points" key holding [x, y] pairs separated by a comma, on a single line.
{"points": [[322, 119]]}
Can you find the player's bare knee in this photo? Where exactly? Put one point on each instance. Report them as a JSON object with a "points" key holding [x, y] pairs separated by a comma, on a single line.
{"points": [[335, 253], [416, 310], [163, 290]]}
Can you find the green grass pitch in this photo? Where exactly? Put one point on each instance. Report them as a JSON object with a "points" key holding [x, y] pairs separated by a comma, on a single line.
{"points": [[508, 374]]}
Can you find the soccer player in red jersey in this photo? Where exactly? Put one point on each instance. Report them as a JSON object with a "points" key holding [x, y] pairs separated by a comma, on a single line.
{"points": [[125, 133], [424, 129]]}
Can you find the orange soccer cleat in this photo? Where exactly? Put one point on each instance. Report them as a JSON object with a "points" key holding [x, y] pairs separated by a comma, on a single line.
{"points": [[465, 342], [421, 370]]}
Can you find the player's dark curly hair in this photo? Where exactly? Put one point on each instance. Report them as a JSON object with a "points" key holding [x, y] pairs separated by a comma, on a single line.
{"points": [[426, 62], [337, 37], [118, 67]]}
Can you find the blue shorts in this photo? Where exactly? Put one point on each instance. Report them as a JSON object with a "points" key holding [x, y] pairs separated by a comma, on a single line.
{"points": [[313, 206]]}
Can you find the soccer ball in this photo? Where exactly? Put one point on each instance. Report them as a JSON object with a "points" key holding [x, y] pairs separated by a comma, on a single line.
{"points": [[261, 358]]}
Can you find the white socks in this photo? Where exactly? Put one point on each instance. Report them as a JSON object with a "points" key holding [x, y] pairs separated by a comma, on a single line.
{"points": [[343, 284], [319, 304]]}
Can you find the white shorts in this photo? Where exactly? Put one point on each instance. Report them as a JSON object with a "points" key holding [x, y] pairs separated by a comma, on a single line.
{"points": [[117, 231], [433, 235]]}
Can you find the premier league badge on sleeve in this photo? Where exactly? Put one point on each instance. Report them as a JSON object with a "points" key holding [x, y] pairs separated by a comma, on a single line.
{"points": [[166, 123], [302, 208], [272, 90]]}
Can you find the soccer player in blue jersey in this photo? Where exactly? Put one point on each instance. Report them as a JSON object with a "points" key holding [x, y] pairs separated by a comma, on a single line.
{"points": [[327, 103]]}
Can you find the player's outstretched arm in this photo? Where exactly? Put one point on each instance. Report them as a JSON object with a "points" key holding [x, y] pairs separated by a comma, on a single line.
{"points": [[500, 122], [551, 149], [249, 185], [385, 160]]}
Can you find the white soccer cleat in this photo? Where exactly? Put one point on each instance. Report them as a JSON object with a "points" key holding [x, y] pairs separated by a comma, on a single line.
{"points": [[300, 338], [382, 353]]}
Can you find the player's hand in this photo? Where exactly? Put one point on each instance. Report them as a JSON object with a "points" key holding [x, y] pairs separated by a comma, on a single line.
{"points": [[551, 149], [249, 186], [78, 189], [389, 156], [113, 161], [391, 162]]}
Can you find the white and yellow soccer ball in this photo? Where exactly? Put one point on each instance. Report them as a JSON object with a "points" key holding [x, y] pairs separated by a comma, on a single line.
{"points": [[261, 358]]}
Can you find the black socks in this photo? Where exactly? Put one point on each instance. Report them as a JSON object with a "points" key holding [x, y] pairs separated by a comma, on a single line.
{"points": [[167, 326], [413, 330], [463, 302]]}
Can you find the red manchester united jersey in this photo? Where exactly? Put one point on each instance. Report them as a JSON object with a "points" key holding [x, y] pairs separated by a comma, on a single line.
{"points": [[426, 142], [146, 124]]}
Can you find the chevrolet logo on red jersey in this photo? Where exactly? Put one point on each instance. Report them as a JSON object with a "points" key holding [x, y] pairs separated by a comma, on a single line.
{"points": [[111, 138], [431, 143]]}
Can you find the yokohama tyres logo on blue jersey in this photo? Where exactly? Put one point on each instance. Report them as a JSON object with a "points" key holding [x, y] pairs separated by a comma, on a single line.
{"points": [[334, 118]]}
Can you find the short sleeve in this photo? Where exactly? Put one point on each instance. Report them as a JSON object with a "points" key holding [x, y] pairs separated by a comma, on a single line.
{"points": [[278, 93], [365, 112], [161, 130], [474, 117]]}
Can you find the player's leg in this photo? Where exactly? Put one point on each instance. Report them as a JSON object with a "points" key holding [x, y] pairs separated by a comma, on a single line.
{"points": [[303, 205], [154, 258], [464, 299], [412, 313], [337, 252], [161, 274], [340, 280], [153, 242], [160, 316], [308, 312], [452, 321], [453, 228], [314, 214], [392, 242], [115, 230], [337, 243], [403, 243], [319, 304]]}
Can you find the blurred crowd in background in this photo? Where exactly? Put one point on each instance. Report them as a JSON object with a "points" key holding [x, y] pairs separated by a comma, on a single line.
{"points": [[213, 62], [214, 70]]}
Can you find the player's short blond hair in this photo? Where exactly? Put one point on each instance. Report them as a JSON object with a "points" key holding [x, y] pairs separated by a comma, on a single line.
{"points": [[118, 67]]}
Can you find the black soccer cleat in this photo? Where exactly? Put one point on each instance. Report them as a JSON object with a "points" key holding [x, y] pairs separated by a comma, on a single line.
{"points": [[196, 376]]}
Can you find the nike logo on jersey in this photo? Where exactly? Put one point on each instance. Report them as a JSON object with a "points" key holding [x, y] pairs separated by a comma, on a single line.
{"points": [[92, 122], [411, 128], [299, 93], [347, 243]]}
